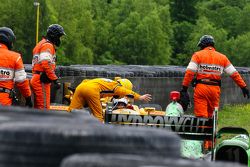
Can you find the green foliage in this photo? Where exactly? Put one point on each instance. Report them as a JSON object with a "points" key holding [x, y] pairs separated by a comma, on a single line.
{"points": [[219, 34], [224, 14], [238, 50], [16, 15], [231, 20], [183, 10], [244, 20], [151, 43], [132, 31], [182, 31]]}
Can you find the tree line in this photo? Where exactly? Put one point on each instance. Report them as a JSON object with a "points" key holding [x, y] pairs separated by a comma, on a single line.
{"points": [[146, 32]]}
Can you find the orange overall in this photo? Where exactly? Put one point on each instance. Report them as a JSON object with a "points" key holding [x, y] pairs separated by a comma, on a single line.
{"points": [[208, 66], [11, 72], [89, 93], [44, 57]]}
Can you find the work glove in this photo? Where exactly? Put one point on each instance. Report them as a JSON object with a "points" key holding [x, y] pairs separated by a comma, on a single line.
{"points": [[245, 92], [44, 78], [184, 89], [57, 84], [184, 98], [28, 102]]}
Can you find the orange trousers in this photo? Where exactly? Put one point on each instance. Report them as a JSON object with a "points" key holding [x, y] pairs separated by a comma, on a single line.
{"points": [[41, 92], [206, 98], [5, 99]]}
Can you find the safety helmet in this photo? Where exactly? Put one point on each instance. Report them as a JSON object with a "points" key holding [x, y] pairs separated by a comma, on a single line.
{"points": [[126, 83], [7, 37], [123, 101], [54, 32], [205, 41], [174, 95]]}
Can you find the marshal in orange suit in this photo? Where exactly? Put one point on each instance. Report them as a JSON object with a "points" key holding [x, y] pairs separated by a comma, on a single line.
{"points": [[208, 65], [11, 70], [44, 65]]}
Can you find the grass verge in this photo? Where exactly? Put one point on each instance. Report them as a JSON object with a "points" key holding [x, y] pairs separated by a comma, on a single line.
{"points": [[235, 115]]}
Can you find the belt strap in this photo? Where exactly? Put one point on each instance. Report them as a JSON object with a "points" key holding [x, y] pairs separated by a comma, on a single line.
{"points": [[4, 90], [37, 72], [209, 82]]}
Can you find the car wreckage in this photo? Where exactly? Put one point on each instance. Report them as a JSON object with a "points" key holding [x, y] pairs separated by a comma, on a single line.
{"points": [[235, 149], [228, 144]]}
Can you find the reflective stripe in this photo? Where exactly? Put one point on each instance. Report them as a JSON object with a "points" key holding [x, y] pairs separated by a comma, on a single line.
{"points": [[45, 56], [230, 69], [192, 66], [20, 75], [210, 69], [6, 74]]}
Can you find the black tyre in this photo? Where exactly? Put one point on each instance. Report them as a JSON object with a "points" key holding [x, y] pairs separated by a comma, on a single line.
{"points": [[125, 160], [14, 114], [42, 140]]}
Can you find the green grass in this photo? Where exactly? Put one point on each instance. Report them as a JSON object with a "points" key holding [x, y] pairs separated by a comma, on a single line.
{"points": [[235, 115]]}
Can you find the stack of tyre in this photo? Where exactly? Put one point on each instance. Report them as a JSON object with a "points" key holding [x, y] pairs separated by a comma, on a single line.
{"points": [[32, 138]]}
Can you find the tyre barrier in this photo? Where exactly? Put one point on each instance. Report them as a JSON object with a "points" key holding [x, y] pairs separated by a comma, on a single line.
{"points": [[31, 138], [126, 160], [136, 73], [15, 114], [124, 70]]}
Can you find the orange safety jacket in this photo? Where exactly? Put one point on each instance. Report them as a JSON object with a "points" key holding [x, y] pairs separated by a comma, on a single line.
{"points": [[210, 64], [44, 58], [12, 71]]}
